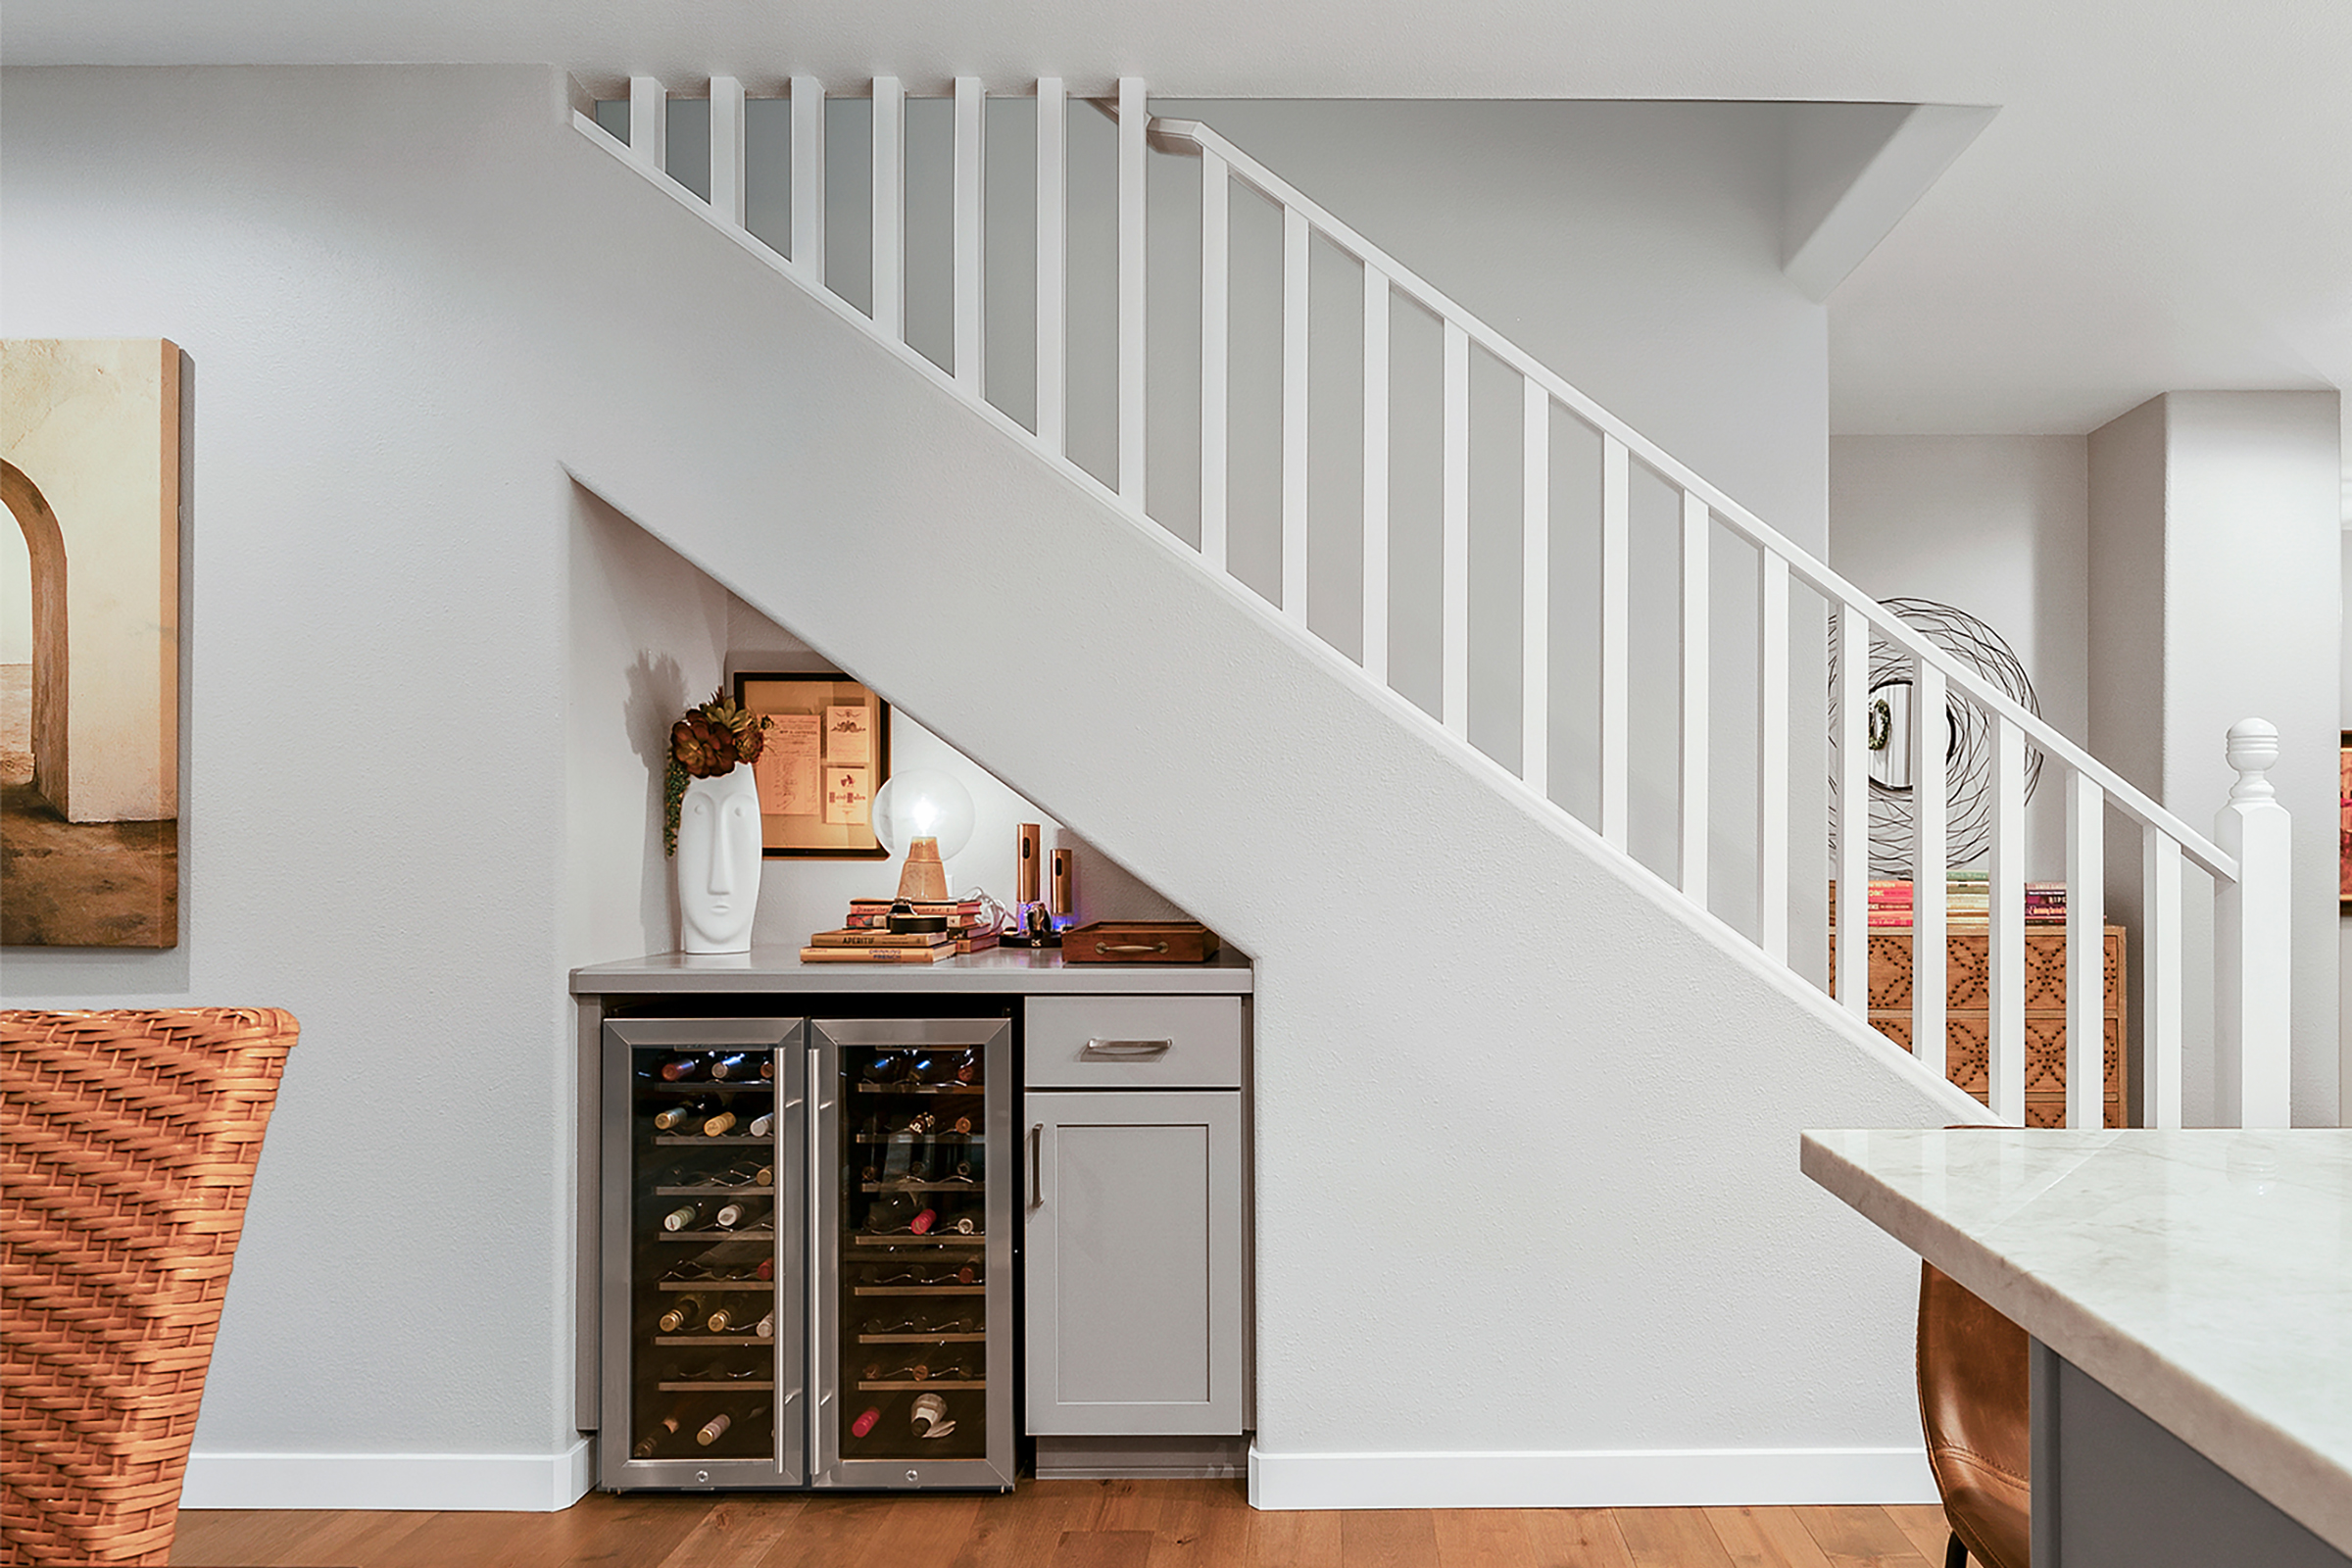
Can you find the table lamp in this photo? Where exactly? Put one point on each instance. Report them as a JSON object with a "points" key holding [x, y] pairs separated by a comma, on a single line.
{"points": [[927, 816]]}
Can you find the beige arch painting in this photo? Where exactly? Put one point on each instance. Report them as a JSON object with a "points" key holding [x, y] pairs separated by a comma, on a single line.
{"points": [[89, 646]]}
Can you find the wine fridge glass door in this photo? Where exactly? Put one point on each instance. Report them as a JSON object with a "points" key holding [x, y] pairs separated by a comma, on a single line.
{"points": [[913, 1340], [705, 1208]]}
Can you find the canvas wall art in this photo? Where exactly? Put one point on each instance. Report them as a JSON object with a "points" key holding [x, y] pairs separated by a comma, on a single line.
{"points": [[89, 643]]}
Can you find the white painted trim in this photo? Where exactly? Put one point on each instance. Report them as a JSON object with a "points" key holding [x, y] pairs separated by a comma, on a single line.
{"points": [[510, 1482], [1666, 1477]]}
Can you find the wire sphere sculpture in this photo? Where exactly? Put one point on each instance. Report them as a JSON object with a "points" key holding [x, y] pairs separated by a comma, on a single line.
{"points": [[1967, 731]]}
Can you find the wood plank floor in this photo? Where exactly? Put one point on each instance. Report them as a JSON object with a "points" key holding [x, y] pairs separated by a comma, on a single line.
{"points": [[1060, 1524]]}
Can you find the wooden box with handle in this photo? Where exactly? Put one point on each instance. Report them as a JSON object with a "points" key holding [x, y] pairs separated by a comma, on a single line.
{"points": [[1139, 942]]}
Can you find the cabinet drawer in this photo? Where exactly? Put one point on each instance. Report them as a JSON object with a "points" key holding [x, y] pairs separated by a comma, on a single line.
{"points": [[1134, 1042]]}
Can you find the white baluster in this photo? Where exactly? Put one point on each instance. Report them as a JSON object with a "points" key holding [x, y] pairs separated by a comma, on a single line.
{"points": [[1535, 586], [1294, 415], [2086, 953], [2253, 974], [1853, 809], [1453, 705], [1376, 475], [1930, 736], [2006, 938], [1216, 257], [649, 123], [1698, 568], [1134, 120], [1616, 527], [890, 208], [726, 149], [2160, 979], [971, 235], [1771, 758], [1053, 265], [809, 180]]}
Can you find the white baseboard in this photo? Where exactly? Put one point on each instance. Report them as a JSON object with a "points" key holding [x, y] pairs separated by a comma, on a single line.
{"points": [[513, 1483], [1654, 1479]]}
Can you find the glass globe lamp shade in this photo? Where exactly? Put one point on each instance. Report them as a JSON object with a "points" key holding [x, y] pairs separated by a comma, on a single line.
{"points": [[925, 816]]}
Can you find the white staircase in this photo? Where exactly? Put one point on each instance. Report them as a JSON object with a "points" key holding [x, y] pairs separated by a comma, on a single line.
{"points": [[2246, 859]]}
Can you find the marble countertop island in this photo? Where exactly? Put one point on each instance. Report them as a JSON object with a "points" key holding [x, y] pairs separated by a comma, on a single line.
{"points": [[2205, 1276]]}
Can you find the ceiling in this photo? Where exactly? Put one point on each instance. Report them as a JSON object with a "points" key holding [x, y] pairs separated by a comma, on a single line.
{"points": [[2164, 201]]}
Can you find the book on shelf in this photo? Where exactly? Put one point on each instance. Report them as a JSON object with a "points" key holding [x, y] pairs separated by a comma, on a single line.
{"points": [[932, 955], [967, 908], [978, 942], [876, 920], [869, 938]]}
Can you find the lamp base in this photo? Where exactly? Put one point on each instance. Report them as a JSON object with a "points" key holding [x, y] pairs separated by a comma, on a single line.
{"points": [[924, 878]]}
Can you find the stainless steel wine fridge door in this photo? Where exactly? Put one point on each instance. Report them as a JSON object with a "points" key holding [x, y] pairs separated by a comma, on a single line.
{"points": [[705, 1203], [915, 1176]]}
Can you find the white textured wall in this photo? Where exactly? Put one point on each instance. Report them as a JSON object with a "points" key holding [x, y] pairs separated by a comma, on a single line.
{"points": [[1995, 526], [2215, 557], [1526, 1142], [649, 632], [358, 265]]}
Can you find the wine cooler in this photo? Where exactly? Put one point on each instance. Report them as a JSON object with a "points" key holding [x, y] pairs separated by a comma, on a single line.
{"points": [[806, 1268]]}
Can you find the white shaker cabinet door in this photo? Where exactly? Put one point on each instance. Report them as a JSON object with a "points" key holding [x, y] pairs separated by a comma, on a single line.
{"points": [[1135, 1260]]}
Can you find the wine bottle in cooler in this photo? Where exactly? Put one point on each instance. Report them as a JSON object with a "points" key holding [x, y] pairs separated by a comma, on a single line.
{"points": [[683, 1069], [739, 1215], [656, 1436], [688, 1218], [736, 1317], [681, 1311], [719, 1425], [686, 1113], [737, 1064]]}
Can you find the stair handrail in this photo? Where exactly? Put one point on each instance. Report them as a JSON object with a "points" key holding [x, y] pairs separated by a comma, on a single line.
{"points": [[2247, 857], [1176, 135]]}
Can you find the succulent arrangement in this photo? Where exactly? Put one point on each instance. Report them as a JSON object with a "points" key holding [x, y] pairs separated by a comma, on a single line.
{"points": [[709, 742]]}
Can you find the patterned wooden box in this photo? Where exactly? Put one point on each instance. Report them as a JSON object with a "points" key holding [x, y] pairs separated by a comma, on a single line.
{"points": [[1967, 1022]]}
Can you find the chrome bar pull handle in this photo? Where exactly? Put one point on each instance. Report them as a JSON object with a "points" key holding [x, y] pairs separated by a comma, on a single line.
{"points": [[1128, 1048]]}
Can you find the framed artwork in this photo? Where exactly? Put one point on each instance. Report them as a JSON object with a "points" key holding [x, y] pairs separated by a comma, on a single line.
{"points": [[2343, 826], [827, 751], [91, 463]]}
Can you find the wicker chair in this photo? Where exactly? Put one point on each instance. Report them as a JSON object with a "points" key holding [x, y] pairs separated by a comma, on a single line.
{"points": [[130, 1142]]}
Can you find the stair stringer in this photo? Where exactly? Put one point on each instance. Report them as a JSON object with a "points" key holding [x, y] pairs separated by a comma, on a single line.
{"points": [[1529, 1225]]}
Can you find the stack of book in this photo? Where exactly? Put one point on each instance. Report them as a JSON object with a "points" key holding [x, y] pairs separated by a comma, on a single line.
{"points": [[865, 936], [1967, 901]]}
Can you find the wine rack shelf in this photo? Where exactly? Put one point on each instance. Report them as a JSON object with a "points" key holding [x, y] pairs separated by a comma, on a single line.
{"points": [[909, 1238], [974, 1188], [919, 1289], [745, 1284], [714, 1191], [936, 1136], [717, 1388], [706, 1141], [918, 1089], [763, 1234], [922, 1338], [931, 1384], [710, 1339]]}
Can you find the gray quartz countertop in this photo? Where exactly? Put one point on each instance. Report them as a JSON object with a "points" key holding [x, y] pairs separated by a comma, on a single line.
{"points": [[1012, 971], [2205, 1275]]}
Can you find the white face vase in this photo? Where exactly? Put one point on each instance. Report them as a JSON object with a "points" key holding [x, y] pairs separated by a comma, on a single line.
{"points": [[719, 863]]}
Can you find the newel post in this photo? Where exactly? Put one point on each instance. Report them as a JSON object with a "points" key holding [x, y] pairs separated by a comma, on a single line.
{"points": [[2251, 957]]}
